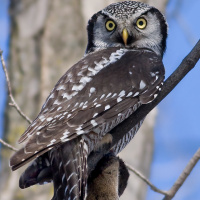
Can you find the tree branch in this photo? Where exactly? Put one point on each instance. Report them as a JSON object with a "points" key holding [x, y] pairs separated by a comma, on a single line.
{"points": [[186, 65], [181, 179], [8, 145], [141, 176], [125, 127], [14, 104], [179, 182]]}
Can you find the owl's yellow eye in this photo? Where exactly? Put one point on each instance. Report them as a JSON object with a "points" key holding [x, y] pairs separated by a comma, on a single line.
{"points": [[141, 23], [110, 25]]}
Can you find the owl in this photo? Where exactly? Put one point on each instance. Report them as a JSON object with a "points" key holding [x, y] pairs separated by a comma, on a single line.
{"points": [[121, 70]]}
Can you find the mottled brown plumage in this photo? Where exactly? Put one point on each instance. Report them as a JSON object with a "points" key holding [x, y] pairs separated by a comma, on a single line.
{"points": [[122, 70]]}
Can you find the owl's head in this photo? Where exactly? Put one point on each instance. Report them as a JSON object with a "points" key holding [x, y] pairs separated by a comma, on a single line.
{"points": [[127, 24]]}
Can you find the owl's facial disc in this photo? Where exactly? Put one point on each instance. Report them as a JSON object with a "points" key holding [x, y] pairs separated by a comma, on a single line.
{"points": [[128, 24]]}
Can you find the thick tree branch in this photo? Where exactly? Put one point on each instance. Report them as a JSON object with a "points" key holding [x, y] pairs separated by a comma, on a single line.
{"points": [[119, 131], [186, 65], [13, 104]]}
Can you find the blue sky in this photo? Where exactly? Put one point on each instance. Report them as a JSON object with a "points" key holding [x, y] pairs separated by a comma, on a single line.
{"points": [[4, 35], [177, 132]]}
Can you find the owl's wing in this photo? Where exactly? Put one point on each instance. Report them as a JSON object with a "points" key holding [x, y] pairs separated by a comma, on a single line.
{"points": [[104, 87]]}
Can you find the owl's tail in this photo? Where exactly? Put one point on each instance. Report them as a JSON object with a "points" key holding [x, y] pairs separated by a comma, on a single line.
{"points": [[69, 167], [65, 165]]}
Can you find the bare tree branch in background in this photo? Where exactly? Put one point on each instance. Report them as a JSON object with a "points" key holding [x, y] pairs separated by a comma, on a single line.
{"points": [[8, 145], [181, 179], [153, 187], [14, 104], [168, 195]]}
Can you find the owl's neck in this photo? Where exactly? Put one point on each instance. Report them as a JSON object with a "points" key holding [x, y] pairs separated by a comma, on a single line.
{"points": [[93, 49], [156, 49]]}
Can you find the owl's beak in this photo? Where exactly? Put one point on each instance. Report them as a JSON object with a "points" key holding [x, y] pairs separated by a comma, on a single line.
{"points": [[125, 35]]}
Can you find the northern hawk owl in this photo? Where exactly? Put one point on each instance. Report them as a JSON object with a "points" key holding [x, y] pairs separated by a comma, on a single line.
{"points": [[121, 70]]}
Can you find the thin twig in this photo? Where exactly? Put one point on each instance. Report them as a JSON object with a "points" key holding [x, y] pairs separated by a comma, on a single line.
{"points": [[8, 145], [14, 104], [141, 176], [181, 179], [179, 182]]}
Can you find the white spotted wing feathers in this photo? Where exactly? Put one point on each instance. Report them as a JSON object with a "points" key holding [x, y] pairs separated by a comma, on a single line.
{"points": [[91, 96]]}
